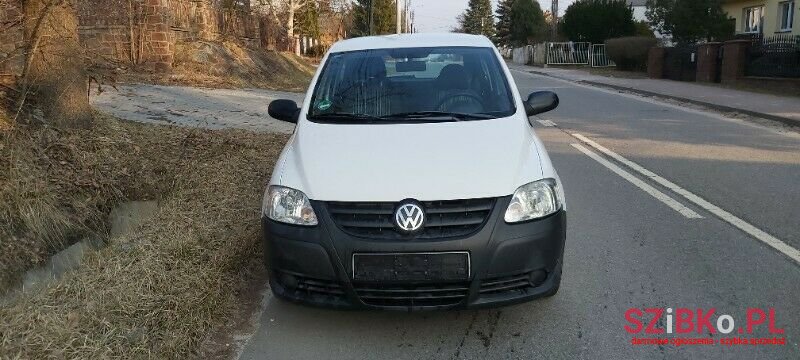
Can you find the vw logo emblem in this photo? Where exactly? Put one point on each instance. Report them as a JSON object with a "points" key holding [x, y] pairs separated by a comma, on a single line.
{"points": [[409, 217]]}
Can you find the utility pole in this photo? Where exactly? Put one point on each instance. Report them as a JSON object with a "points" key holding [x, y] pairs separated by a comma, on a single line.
{"points": [[398, 30], [554, 25]]}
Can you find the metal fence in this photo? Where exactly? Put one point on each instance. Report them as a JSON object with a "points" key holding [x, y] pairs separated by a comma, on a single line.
{"points": [[599, 57], [568, 53], [774, 56]]}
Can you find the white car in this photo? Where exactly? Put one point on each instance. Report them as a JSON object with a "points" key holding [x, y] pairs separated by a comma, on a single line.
{"points": [[414, 180]]}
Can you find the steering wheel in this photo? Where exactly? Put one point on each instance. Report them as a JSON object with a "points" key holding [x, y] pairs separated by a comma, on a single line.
{"points": [[461, 100]]}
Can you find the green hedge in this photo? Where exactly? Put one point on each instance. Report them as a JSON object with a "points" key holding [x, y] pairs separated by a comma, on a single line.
{"points": [[630, 53]]}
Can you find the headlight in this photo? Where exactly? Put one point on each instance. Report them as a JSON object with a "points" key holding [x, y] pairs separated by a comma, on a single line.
{"points": [[289, 206], [532, 201]]}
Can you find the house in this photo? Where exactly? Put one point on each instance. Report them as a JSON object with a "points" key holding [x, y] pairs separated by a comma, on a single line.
{"points": [[640, 14], [767, 17], [639, 9]]}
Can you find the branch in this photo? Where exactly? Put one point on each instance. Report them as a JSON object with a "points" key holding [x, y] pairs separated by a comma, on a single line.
{"points": [[274, 13], [33, 46]]}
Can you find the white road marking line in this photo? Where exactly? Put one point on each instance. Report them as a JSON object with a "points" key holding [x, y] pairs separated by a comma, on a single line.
{"points": [[546, 123], [660, 196], [755, 232], [633, 96]]}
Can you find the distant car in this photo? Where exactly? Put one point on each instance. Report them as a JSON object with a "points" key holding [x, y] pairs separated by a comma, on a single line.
{"points": [[414, 180]]}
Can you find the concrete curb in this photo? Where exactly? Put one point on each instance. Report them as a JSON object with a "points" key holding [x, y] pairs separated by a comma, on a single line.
{"points": [[781, 119]]}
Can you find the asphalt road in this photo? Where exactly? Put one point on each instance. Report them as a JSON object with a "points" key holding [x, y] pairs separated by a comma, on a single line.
{"points": [[627, 247]]}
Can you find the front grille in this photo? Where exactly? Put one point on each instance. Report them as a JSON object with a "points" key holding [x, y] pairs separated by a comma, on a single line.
{"points": [[514, 283], [444, 219], [412, 295]]}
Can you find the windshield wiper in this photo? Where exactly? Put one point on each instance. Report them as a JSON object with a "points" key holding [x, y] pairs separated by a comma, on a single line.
{"points": [[438, 114], [409, 116], [346, 118]]}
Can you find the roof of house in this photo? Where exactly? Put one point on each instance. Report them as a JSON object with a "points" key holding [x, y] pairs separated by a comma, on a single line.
{"points": [[637, 2], [411, 41]]}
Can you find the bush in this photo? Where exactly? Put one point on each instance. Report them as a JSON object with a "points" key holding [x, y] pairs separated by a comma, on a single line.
{"points": [[643, 29], [630, 53]]}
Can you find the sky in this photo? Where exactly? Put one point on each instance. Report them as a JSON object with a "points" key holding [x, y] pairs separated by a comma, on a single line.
{"points": [[440, 15]]}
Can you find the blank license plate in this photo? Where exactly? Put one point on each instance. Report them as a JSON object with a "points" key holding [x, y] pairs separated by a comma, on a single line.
{"points": [[449, 266]]}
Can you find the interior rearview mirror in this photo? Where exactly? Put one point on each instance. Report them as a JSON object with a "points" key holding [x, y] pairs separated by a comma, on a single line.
{"points": [[285, 110], [411, 66], [541, 102]]}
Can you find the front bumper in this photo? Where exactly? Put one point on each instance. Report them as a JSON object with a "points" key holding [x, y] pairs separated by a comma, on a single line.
{"points": [[510, 263]]}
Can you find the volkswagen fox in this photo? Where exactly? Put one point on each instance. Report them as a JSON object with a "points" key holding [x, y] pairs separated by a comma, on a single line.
{"points": [[414, 180]]}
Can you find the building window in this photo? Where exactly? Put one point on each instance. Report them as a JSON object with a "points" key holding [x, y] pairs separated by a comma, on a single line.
{"points": [[753, 18], [786, 15]]}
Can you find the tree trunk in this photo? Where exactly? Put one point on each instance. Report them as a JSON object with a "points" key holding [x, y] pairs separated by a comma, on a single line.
{"points": [[290, 22], [54, 74]]}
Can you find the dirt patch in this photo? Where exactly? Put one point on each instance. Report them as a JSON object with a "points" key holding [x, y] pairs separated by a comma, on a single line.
{"points": [[157, 290], [231, 65]]}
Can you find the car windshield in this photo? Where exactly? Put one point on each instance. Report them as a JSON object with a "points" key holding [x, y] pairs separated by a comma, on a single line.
{"points": [[411, 85]]}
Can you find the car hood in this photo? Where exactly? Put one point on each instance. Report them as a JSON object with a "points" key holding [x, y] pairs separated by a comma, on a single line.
{"points": [[428, 161]]}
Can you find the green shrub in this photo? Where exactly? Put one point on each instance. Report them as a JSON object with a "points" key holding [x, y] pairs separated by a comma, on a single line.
{"points": [[691, 21], [643, 29], [630, 53]]}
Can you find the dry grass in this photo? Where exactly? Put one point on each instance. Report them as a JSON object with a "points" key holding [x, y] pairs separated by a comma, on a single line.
{"points": [[230, 65], [5, 119], [156, 291], [5, 103], [58, 186]]}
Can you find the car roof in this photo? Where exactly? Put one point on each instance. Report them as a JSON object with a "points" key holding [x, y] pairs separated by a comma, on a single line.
{"points": [[410, 41]]}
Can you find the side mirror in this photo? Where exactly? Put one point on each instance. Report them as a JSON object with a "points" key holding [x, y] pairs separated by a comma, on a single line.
{"points": [[285, 110], [541, 102]]}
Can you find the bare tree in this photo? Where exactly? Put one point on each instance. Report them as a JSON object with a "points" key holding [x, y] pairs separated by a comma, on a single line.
{"points": [[135, 30], [54, 69], [288, 7]]}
